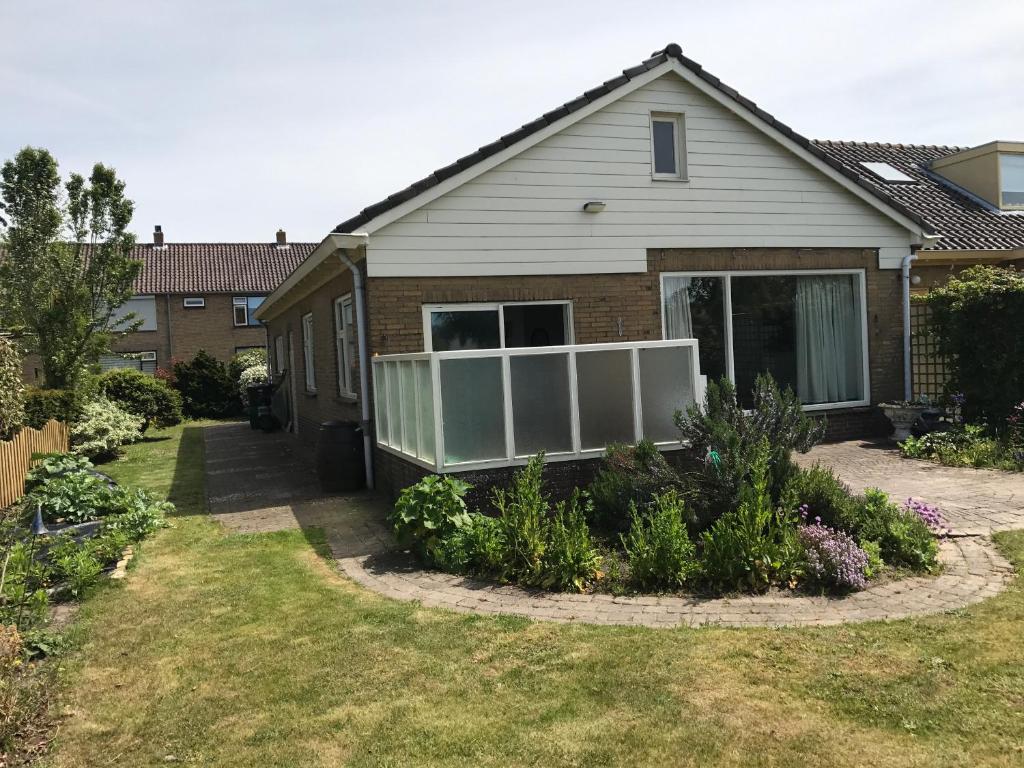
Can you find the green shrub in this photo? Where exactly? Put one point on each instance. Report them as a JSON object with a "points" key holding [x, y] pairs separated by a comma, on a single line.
{"points": [[825, 496], [75, 497], [41, 405], [249, 358], [986, 367], [103, 428], [12, 390], [755, 545], [660, 553], [75, 567], [207, 391], [23, 581], [522, 514], [874, 552], [426, 513], [144, 395], [135, 513], [474, 548], [902, 537], [965, 446], [51, 465], [728, 438], [571, 560], [629, 474]]}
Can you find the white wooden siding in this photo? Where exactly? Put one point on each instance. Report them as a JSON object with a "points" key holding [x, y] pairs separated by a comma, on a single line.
{"points": [[525, 216]]}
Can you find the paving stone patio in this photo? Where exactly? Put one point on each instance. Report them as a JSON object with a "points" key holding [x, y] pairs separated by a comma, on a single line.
{"points": [[258, 482]]}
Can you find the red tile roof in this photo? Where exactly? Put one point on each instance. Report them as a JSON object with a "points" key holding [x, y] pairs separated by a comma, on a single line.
{"points": [[217, 267], [965, 222]]}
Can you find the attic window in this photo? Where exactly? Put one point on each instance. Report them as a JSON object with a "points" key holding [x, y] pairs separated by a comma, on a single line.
{"points": [[888, 173], [668, 146], [1011, 173]]}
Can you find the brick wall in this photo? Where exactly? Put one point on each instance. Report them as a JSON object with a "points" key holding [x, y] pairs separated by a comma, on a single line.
{"points": [[182, 332], [326, 403]]}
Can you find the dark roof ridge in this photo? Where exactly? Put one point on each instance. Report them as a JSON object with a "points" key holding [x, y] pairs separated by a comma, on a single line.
{"points": [[887, 145], [672, 50]]}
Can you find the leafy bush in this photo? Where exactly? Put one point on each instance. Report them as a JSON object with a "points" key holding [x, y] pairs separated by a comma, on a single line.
{"points": [[833, 558], [571, 559], [475, 548], [51, 465], [729, 438], [902, 537], [987, 367], [207, 391], [74, 566], [968, 445], [41, 405], [755, 545], [428, 512], [821, 493], [243, 361], [629, 475], [75, 497], [12, 390], [523, 511], [660, 553], [143, 395], [103, 428]]}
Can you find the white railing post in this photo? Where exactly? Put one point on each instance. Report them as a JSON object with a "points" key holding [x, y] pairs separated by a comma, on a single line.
{"points": [[435, 387], [638, 411], [574, 405], [506, 394]]}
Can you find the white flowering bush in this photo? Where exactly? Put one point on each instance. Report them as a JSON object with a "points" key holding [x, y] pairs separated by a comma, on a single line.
{"points": [[253, 375], [103, 428], [12, 390]]}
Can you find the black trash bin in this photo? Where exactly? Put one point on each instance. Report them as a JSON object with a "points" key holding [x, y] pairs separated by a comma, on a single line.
{"points": [[261, 406], [339, 456]]}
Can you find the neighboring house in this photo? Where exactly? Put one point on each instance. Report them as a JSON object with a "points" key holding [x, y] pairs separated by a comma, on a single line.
{"points": [[660, 205], [192, 296], [972, 197]]}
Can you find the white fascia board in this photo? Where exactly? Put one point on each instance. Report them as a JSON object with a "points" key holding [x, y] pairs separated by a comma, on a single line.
{"points": [[329, 246]]}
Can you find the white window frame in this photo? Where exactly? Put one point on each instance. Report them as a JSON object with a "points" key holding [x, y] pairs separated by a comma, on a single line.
{"points": [[730, 365], [497, 306], [1002, 187], [193, 302], [279, 354], [243, 302], [344, 344], [678, 120], [309, 352]]}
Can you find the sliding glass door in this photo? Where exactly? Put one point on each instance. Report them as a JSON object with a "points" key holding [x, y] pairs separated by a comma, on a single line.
{"points": [[804, 328]]}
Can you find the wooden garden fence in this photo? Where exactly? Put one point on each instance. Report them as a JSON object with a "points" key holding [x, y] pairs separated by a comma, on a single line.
{"points": [[16, 456]]}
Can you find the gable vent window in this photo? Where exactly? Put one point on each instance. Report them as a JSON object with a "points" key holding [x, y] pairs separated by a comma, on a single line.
{"points": [[194, 302], [668, 146], [888, 173]]}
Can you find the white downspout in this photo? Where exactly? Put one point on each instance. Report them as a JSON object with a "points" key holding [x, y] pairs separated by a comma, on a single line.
{"points": [[905, 268], [359, 289]]}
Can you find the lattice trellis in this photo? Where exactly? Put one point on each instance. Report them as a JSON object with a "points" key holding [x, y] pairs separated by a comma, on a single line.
{"points": [[928, 368]]}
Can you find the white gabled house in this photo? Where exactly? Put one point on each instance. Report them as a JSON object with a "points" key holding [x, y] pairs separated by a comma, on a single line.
{"points": [[576, 281]]}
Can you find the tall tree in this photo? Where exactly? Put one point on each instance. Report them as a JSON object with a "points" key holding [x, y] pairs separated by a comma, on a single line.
{"points": [[67, 266]]}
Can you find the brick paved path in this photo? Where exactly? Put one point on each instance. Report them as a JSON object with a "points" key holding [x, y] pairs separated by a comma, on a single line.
{"points": [[973, 570]]}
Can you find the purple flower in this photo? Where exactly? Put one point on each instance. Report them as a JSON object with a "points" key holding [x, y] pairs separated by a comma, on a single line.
{"points": [[929, 515], [833, 557]]}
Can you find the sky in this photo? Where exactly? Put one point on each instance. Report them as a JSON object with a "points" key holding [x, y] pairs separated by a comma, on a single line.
{"points": [[229, 119]]}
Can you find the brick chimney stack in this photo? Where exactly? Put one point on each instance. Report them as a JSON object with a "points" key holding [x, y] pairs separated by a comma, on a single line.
{"points": [[158, 236], [282, 239]]}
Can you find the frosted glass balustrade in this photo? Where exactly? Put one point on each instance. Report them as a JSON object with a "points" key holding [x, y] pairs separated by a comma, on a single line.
{"points": [[541, 404]]}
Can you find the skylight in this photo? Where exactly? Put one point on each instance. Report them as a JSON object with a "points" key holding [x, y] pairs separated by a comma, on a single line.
{"points": [[888, 173]]}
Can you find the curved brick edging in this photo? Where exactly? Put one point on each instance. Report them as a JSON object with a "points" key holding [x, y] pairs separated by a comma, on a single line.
{"points": [[973, 571]]}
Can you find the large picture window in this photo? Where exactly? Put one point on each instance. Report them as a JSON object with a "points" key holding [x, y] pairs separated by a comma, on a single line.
{"points": [[496, 326], [807, 329]]}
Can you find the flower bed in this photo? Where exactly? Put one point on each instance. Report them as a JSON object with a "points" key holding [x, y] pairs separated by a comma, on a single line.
{"points": [[742, 518]]}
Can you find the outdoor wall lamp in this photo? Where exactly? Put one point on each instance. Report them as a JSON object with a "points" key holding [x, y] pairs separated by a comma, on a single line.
{"points": [[594, 206]]}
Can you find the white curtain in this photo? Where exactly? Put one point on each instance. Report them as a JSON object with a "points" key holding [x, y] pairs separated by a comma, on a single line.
{"points": [[828, 340], [678, 321]]}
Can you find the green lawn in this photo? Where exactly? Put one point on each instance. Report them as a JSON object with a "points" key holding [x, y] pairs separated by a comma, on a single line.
{"points": [[232, 650]]}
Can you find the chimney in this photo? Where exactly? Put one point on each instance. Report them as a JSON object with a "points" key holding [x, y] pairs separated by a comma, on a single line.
{"points": [[282, 239], [158, 236]]}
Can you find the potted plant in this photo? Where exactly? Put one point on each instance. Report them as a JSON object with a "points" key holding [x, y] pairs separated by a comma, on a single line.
{"points": [[903, 414]]}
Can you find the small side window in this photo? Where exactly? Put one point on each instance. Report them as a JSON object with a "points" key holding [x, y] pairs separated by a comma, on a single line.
{"points": [[194, 302], [668, 159], [240, 308]]}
